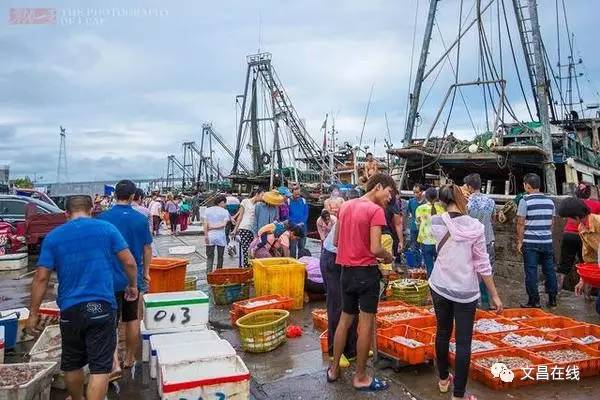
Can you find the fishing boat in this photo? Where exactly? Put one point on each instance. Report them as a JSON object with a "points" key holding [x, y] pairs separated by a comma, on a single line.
{"points": [[557, 135]]}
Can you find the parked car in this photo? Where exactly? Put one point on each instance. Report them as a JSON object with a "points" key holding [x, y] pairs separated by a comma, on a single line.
{"points": [[32, 218], [12, 207]]}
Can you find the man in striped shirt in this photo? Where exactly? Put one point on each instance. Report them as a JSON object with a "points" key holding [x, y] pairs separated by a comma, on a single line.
{"points": [[534, 240]]}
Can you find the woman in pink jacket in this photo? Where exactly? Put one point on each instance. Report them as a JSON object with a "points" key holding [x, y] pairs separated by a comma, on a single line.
{"points": [[462, 259]]}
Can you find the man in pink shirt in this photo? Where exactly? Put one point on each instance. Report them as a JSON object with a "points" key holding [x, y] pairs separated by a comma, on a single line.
{"points": [[358, 239]]}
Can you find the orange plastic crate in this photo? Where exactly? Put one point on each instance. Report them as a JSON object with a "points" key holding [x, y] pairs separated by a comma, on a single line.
{"points": [[588, 367], [484, 375], [391, 305], [485, 314], [384, 322], [277, 302], [551, 324], [223, 276], [324, 343], [517, 314], [423, 322], [167, 274], [579, 332], [530, 332], [484, 338], [401, 352], [319, 317]]}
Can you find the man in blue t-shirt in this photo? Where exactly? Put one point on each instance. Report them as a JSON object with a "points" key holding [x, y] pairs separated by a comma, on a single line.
{"points": [[81, 252], [298, 216], [134, 228]]}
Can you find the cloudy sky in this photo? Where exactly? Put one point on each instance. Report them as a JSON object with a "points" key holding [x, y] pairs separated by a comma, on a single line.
{"points": [[132, 80]]}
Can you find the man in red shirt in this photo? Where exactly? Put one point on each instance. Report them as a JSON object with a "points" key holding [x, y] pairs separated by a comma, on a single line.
{"points": [[358, 240]]}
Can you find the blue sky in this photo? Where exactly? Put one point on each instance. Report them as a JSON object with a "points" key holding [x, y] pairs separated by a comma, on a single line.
{"points": [[131, 88]]}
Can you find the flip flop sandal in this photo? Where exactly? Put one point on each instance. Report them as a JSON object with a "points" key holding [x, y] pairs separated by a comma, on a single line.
{"points": [[445, 387], [115, 376], [329, 379], [375, 386]]}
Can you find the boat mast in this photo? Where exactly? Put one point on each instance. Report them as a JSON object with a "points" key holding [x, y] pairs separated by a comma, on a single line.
{"points": [[415, 95], [419, 77], [542, 94]]}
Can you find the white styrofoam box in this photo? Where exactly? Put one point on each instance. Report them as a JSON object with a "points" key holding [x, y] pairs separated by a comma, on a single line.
{"points": [[22, 336], [13, 262], [175, 309], [46, 348], [229, 381], [37, 388], [148, 333], [157, 342], [187, 361]]}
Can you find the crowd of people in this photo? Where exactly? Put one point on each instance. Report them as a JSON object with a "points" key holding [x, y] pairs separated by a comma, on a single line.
{"points": [[451, 234], [362, 236]]}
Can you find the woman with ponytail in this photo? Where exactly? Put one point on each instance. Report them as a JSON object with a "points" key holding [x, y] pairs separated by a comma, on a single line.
{"points": [[461, 260], [425, 239]]}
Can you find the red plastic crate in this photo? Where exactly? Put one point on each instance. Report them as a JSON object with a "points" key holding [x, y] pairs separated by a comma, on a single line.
{"points": [[551, 324], [516, 314], [530, 332], [324, 343], [383, 322], [588, 367], [401, 352], [319, 317], [580, 332], [484, 375], [223, 276]]}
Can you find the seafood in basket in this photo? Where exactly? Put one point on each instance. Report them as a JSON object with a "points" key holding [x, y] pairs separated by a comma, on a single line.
{"points": [[17, 375], [511, 362], [590, 339], [521, 341], [400, 316], [564, 355], [407, 341], [477, 346], [485, 325]]}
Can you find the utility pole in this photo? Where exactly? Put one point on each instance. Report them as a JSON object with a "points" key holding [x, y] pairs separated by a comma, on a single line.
{"points": [[542, 94], [61, 170]]}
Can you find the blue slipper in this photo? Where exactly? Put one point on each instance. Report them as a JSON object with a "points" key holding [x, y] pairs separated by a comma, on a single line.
{"points": [[375, 386]]}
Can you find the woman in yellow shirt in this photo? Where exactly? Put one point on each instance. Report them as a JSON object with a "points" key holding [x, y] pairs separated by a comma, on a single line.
{"points": [[423, 216]]}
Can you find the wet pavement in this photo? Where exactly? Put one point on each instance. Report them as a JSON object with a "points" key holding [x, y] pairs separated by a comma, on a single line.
{"points": [[296, 370]]}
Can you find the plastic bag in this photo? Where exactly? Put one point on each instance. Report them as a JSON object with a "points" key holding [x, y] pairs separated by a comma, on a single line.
{"points": [[232, 246]]}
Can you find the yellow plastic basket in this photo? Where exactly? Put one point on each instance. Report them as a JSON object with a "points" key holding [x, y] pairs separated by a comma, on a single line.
{"points": [[262, 331], [190, 283], [411, 291], [282, 276]]}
